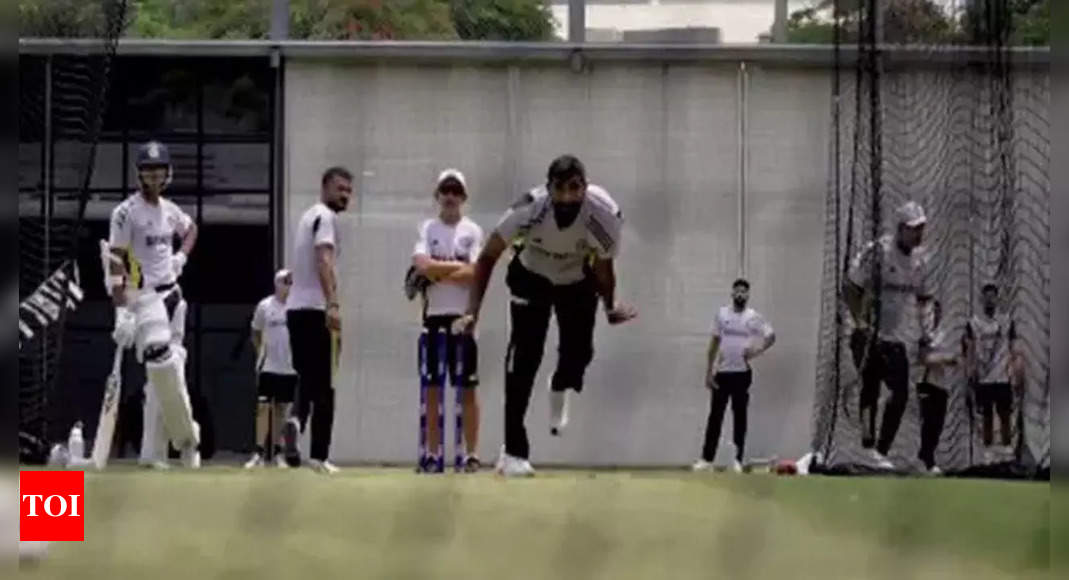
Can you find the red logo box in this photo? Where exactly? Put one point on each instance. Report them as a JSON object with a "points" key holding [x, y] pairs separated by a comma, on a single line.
{"points": [[52, 506]]}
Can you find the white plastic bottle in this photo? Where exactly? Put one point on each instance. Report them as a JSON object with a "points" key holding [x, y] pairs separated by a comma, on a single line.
{"points": [[75, 443]]}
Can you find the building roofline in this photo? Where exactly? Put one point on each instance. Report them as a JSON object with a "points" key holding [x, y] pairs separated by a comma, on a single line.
{"points": [[550, 52]]}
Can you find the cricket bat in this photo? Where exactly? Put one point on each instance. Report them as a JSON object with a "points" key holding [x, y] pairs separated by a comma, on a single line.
{"points": [[108, 412]]}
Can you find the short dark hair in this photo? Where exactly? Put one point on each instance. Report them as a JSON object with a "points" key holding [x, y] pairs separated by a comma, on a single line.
{"points": [[989, 287], [336, 171], [741, 282], [564, 168]]}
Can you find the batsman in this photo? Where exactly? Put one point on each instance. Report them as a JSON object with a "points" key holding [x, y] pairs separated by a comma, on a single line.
{"points": [[142, 279]]}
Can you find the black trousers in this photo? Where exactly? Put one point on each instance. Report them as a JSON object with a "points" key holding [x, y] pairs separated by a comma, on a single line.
{"points": [[534, 298], [886, 363], [733, 387], [312, 348], [995, 397], [933, 405]]}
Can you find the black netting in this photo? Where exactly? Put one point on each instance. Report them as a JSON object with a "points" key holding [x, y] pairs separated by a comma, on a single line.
{"points": [[61, 106], [956, 118]]}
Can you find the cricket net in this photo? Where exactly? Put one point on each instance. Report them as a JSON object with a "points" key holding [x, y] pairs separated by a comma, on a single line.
{"points": [[64, 109], [952, 115]]}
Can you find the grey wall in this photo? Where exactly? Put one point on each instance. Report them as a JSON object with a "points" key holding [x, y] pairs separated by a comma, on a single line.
{"points": [[665, 140]]}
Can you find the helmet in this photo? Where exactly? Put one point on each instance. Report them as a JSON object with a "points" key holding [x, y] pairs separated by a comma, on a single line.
{"points": [[154, 154]]}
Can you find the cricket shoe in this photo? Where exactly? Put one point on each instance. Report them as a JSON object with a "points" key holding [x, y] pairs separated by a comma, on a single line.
{"points": [[558, 411], [191, 457], [257, 460], [934, 471], [702, 465], [515, 467], [280, 462], [472, 464], [736, 466], [291, 432], [882, 462], [431, 464], [323, 466], [154, 465]]}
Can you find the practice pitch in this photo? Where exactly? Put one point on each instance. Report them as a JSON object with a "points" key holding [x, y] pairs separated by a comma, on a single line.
{"points": [[223, 522]]}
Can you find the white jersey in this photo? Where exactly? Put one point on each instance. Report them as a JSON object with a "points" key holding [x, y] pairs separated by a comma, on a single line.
{"points": [[902, 280], [938, 355], [318, 227], [147, 231], [991, 342], [270, 320], [559, 254], [737, 331], [460, 242]]}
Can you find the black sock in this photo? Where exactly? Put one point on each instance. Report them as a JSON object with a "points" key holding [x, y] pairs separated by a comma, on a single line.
{"points": [[277, 448], [259, 449]]}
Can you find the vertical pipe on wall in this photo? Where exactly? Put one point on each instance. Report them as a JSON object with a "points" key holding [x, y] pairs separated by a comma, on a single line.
{"points": [[46, 204], [743, 96], [278, 166], [576, 20], [280, 19]]}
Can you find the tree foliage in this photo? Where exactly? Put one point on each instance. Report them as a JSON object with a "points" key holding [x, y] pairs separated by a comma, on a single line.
{"points": [[925, 22], [502, 19], [309, 19]]}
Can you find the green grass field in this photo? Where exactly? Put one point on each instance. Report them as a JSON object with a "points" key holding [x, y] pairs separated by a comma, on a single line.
{"points": [[380, 523]]}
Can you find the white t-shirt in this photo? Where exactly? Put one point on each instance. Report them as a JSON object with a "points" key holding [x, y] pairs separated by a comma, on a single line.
{"points": [[460, 242], [737, 331], [147, 231], [559, 254], [318, 227], [270, 320], [991, 340], [902, 280]]}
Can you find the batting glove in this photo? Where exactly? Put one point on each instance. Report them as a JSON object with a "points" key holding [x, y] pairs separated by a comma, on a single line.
{"points": [[125, 327]]}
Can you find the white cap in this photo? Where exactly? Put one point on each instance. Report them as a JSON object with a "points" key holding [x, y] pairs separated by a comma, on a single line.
{"points": [[280, 275], [453, 174], [911, 214]]}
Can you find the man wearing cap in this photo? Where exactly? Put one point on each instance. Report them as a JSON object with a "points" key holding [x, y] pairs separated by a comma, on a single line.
{"points": [[882, 289], [275, 377], [445, 252]]}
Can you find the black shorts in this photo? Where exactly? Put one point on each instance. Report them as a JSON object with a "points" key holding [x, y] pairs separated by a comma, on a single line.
{"points": [[276, 388], [437, 341], [994, 395]]}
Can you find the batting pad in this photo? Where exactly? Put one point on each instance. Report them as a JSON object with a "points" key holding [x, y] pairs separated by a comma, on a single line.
{"points": [[168, 379]]}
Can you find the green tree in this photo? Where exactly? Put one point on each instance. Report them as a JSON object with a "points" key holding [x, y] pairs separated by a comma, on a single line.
{"points": [[520, 20], [61, 18], [905, 22], [1029, 21]]}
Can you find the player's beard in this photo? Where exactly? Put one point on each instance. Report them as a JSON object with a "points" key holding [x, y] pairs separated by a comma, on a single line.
{"points": [[565, 213], [740, 303], [337, 205]]}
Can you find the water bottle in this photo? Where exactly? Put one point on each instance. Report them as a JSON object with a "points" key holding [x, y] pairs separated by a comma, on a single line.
{"points": [[75, 443]]}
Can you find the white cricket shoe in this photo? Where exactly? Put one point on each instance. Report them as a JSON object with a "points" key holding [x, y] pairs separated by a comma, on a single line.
{"points": [[934, 471], [257, 460], [882, 462], [155, 465], [558, 411], [702, 465], [280, 461], [191, 457], [324, 467], [515, 467], [736, 466]]}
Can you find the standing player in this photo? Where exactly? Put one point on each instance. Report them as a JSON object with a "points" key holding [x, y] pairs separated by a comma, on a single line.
{"points": [[570, 234], [445, 253], [276, 379], [882, 358], [740, 334], [313, 317], [150, 311], [934, 357], [995, 368]]}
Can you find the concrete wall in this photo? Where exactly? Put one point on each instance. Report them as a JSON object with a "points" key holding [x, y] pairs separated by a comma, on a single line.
{"points": [[665, 140]]}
